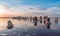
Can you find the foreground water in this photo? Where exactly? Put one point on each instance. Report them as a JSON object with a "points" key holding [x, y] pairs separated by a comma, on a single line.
{"points": [[27, 28]]}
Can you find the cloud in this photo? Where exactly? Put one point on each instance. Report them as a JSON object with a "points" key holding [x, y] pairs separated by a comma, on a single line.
{"points": [[4, 9], [28, 9]]}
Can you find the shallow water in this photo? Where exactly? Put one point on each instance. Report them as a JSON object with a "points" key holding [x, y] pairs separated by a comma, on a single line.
{"points": [[27, 28]]}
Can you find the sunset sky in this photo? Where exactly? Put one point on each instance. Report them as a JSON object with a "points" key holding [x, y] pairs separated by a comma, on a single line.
{"points": [[8, 7]]}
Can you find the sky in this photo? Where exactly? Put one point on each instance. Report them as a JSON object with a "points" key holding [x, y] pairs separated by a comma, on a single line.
{"points": [[29, 6]]}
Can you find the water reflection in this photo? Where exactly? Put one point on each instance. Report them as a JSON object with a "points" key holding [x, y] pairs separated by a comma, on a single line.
{"points": [[48, 23], [25, 25]]}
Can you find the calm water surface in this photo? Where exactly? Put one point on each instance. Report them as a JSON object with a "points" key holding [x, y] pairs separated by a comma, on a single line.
{"points": [[27, 28]]}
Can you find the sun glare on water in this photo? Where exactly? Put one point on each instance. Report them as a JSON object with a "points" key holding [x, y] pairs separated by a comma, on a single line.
{"points": [[2, 24]]}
